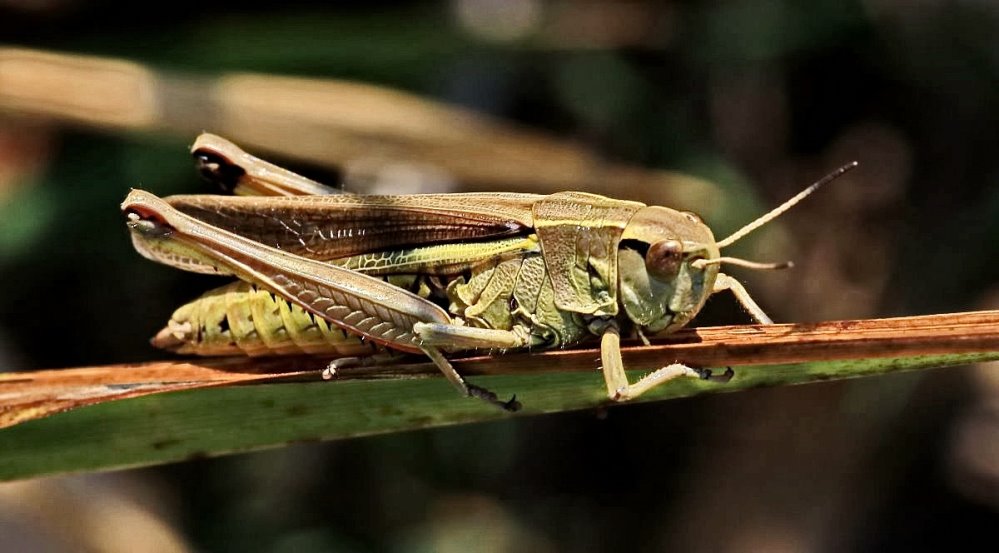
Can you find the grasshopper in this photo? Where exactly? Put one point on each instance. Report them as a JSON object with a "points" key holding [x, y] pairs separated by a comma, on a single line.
{"points": [[326, 272]]}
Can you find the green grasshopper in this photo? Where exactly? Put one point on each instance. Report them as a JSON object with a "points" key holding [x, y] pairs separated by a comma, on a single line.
{"points": [[326, 272]]}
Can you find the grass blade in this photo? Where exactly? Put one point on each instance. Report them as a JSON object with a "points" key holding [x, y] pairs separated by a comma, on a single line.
{"points": [[210, 418]]}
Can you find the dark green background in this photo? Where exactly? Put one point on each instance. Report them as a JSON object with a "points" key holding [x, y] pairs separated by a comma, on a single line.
{"points": [[74, 292]]}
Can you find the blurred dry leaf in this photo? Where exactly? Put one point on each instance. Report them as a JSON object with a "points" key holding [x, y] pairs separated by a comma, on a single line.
{"points": [[81, 515], [359, 128]]}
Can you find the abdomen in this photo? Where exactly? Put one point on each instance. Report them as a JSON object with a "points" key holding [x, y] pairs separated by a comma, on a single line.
{"points": [[241, 319]]}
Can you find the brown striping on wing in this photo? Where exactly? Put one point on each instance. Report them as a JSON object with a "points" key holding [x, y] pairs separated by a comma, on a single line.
{"points": [[330, 227]]}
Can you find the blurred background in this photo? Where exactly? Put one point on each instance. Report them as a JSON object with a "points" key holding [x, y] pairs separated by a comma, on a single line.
{"points": [[724, 108]]}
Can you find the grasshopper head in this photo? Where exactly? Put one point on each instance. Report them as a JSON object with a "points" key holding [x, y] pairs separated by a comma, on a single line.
{"points": [[668, 261], [660, 285]]}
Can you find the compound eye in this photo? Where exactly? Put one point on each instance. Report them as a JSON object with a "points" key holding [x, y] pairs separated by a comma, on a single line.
{"points": [[664, 258]]}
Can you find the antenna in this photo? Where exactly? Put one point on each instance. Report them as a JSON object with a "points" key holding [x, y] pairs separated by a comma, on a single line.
{"points": [[702, 263], [774, 213]]}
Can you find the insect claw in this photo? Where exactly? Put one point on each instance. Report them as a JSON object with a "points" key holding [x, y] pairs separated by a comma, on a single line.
{"points": [[481, 393], [708, 374], [722, 378], [512, 405]]}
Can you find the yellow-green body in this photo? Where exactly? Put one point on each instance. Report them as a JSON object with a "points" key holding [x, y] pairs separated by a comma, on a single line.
{"points": [[578, 270], [497, 293]]}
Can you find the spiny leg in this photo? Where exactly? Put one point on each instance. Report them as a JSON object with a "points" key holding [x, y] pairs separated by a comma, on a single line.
{"points": [[725, 282], [466, 337], [618, 387], [466, 389], [381, 358], [434, 334]]}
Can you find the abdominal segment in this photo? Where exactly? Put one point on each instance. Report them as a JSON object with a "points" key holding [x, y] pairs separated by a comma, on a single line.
{"points": [[242, 319]]}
